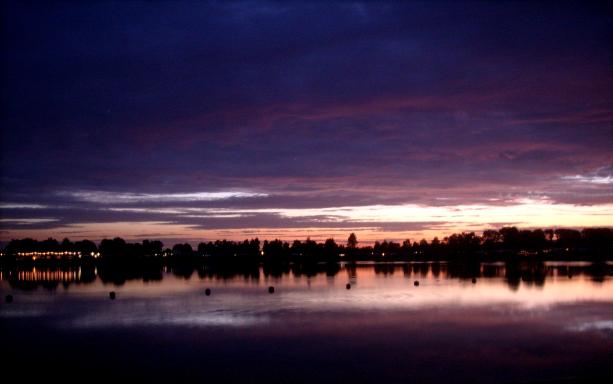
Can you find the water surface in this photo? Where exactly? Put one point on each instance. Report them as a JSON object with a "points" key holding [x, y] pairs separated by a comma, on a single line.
{"points": [[527, 322]]}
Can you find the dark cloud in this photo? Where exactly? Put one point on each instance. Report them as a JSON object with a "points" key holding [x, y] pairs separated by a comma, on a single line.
{"points": [[312, 104]]}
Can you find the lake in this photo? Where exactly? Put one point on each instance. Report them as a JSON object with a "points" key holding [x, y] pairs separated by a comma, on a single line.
{"points": [[358, 322]]}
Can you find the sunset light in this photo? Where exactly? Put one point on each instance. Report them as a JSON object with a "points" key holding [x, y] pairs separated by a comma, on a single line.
{"points": [[248, 191]]}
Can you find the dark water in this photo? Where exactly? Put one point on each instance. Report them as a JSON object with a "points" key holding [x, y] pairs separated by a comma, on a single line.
{"points": [[550, 322]]}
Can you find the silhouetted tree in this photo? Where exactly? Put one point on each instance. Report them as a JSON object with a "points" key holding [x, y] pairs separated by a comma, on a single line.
{"points": [[506, 243], [464, 243], [352, 241], [598, 239], [568, 238], [510, 237], [112, 249], [182, 250], [275, 250], [491, 239], [152, 248], [86, 247], [330, 251]]}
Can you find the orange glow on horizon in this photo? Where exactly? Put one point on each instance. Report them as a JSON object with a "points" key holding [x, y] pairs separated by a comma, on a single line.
{"points": [[369, 223]]}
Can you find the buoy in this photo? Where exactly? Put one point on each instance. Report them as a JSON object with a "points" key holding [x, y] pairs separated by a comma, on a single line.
{"points": [[348, 286], [474, 281], [271, 289], [207, 292], [8, 298], [416, 283], [112, 295]]}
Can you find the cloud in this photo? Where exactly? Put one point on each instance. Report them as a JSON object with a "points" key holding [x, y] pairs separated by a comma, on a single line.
{"points": [[116, 197], [311, 116], [372, 221], [21, 206], [606, 180]]}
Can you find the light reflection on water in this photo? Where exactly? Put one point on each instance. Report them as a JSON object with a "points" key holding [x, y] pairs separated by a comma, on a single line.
{"points": [[243, 300], [537, 321]]}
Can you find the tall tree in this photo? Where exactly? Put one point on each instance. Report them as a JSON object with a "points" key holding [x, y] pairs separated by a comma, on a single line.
{"points": [[352, 241]]}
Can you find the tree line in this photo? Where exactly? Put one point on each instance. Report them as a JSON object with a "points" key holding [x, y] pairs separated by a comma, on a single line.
{"points": [[503, 243]]}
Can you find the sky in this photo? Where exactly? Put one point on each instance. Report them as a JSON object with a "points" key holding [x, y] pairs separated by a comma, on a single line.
{"points": [[200, 121]]}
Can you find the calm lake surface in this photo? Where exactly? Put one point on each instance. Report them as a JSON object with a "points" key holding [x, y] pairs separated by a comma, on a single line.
{"points": [[543, 322]]}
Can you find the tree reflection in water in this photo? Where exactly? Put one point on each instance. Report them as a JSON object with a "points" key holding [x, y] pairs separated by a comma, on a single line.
{"points": [[514, 273]]}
